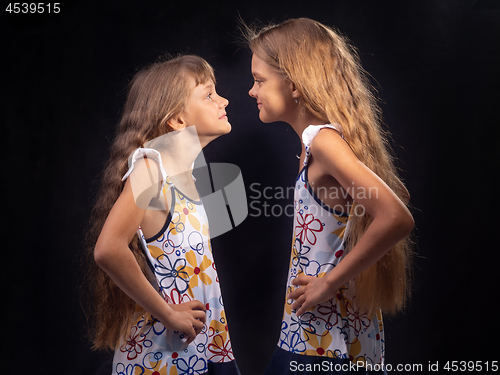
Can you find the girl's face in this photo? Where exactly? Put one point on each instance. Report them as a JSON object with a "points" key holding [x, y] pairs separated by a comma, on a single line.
{"points": [[273, 92], [206, 110]]}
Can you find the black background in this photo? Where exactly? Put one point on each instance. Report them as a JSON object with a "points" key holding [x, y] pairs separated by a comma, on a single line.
{"points": [[435, 66]]}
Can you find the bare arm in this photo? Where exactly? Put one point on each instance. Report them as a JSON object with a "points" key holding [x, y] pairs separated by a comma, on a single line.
{"points": [[391, 220], [114, 256]]}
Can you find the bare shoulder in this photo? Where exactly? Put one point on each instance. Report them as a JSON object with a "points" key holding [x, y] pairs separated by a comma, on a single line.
{"points": [[330, 149]]}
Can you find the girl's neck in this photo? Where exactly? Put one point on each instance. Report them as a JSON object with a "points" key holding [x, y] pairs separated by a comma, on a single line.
{"points": [[178, 150], [178, 163], [179, 168], [302, 119]]}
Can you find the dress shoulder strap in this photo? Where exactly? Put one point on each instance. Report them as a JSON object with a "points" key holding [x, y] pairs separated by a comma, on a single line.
{"points": [[146, 153], [311, 131]]}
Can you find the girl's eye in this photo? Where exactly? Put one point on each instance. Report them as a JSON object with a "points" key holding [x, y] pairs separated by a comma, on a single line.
{"points": [[209, 96], [257, 81]]}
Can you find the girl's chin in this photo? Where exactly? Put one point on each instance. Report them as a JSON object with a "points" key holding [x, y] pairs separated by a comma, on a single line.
{"points": [[265, 119], [226, 128]]}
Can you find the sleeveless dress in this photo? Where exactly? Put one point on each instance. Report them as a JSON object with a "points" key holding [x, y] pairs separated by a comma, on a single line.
{"points": [[180, 258], [335, 332]]}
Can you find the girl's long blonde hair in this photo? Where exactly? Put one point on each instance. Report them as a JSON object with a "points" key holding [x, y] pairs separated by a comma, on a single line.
{"points": [[334, 87], [156, 94]]}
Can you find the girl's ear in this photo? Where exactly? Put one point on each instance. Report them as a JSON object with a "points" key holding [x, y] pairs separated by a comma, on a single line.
{"points": [[295, 92], [177, 122]]}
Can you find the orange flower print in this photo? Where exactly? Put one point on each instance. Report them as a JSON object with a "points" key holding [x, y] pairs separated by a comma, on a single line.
{"points": [[197, 272], [152, 366], [320, 347], [218, 328], [184, 209]]}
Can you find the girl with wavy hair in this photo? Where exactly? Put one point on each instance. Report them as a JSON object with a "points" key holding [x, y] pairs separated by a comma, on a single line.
{"points": [[350, 253], [155, 291]]}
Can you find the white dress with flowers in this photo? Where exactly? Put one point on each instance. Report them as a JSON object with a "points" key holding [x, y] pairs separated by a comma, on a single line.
{"points": [[337, 329], [181, 259]]}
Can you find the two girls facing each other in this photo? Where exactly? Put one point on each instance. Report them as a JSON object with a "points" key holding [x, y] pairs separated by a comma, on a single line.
{"points": [[344, 268]]}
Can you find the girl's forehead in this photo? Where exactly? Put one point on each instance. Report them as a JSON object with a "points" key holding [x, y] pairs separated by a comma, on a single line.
{"points": [[260, 67], [193, 83], [201, 89], [205, 85]]}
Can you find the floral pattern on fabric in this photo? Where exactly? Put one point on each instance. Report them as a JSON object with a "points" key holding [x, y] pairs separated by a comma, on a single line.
{"points": [[183, 265], [335, 328]]}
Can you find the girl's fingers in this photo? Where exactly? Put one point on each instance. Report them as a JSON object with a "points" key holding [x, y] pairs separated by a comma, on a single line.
{"points": [[198, 326], [191, 305], [298, 302], [199, 316], [196, 305], [296, 293], [302, 308], [191, 333], [301, 311], [301, 280]]}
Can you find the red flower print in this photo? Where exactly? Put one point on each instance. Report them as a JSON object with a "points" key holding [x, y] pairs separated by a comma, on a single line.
{"points": [[133, 346], [357, 320], [330, 310], [176, 298], [306, 227], [220, 349]]}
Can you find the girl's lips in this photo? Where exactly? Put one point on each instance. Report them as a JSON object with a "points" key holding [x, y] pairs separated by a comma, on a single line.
{"points": [[223, 117], [259, 105]]}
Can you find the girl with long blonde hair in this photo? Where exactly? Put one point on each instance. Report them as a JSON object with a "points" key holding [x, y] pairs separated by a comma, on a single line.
{"points": [[155, 291], [350, 256]]}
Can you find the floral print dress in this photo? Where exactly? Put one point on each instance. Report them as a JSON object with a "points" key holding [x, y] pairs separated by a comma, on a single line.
{"points": [[180, 257], [334, 329]]}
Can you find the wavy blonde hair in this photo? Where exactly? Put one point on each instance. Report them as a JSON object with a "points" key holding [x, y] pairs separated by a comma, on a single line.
{"points": [[333, 86], [155, 95]]}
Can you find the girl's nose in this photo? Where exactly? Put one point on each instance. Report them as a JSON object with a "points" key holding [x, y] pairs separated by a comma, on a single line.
{"points": [[251, 92], [224, 102]]}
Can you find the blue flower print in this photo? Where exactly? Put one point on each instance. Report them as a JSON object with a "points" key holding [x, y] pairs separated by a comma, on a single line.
{"points": [[303, 323], [194, 365], [284, 335], [172, 274], [312, 268], [297, 345], [129, 369], [298, 254]]}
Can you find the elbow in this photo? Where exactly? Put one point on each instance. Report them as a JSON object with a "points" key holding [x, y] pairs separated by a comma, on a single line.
{"points": [[99, 255], [398, 221], [403, 223], [409, 224], [102, 254]]}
